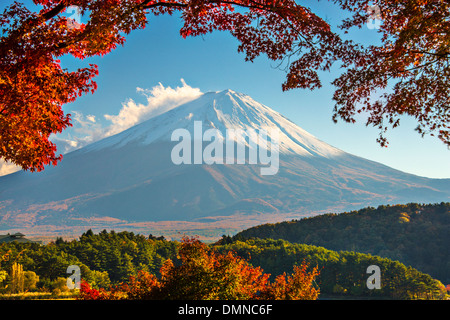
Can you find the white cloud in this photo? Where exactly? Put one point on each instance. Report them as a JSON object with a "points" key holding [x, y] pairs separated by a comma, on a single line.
{"points": [[85, 130], [159, 99], [7, 167], [91, 118]]}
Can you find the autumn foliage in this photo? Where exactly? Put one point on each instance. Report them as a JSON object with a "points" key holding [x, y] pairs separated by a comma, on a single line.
{"points": [[34, 86], [408, 71], [406, 74], [204, 274]]}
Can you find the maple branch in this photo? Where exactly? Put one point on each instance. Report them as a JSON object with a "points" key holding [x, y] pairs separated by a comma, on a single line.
{"points": [[421, 66], [255, 5], [55, 11], [442, 55], [148, 5], [273, 9], [145, 5], [32, 22]]}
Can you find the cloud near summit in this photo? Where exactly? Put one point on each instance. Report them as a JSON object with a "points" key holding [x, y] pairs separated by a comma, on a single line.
{"points": [[159, 99]]}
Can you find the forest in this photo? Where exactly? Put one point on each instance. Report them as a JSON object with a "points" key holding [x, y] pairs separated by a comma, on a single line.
{"points": [[342, 273], [124, 265], [417, 235]]}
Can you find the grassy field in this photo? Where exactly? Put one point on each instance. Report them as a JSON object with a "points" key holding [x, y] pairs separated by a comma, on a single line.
{"points": [[39, 296]]}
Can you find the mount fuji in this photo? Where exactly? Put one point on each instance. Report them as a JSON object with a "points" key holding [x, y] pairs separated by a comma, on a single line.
{"points": [[130, 181]]}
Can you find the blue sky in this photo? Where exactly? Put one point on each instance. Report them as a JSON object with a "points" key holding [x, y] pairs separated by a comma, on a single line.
{"points": [[159, 54]]}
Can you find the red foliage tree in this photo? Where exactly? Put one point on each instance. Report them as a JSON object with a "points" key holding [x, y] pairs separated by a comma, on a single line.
{"points": [[33, 86], [89, 293], [410, 65], [207, 275], [409, 70], [204, 274], [298, 286]]}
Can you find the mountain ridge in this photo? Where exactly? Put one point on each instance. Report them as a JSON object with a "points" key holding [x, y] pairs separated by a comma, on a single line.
{"points": [[130, 177], [415, 234]]}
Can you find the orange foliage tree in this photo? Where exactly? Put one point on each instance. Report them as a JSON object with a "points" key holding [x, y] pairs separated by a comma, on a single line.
{"points": [[204, 274], [406, 74], [410, 67]]}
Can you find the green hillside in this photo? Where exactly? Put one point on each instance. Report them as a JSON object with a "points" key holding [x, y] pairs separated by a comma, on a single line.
{"points": [[417, 235], [342, 273]]}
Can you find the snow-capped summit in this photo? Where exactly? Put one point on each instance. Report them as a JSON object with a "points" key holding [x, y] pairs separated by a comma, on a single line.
{"points": [[223, 110]]}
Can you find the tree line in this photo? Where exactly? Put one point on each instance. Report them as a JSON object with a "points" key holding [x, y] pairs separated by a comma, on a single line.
{"points": [[127, 265], [341, 273], [414, 234]]}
